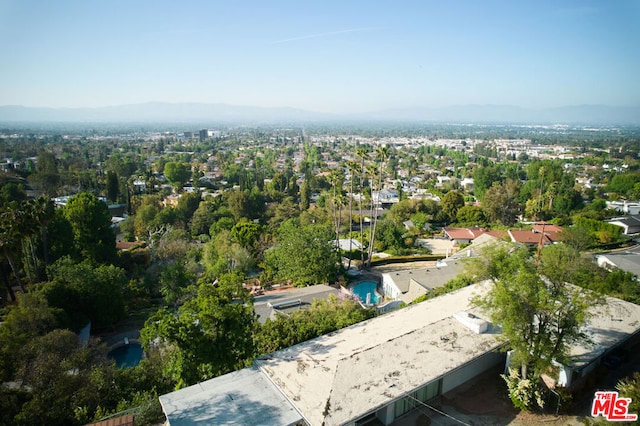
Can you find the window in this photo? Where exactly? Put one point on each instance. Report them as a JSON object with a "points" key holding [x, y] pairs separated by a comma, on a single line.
{"points": [[423, 394]]}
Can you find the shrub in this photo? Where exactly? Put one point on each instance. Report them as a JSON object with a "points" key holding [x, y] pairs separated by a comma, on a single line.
{"points": [[525, 394]]}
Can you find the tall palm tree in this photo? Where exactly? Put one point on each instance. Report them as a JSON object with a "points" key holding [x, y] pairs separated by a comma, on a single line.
{"points": [[353, 169], [382, 152], [362, 153], [372, 170], [335, 179]]}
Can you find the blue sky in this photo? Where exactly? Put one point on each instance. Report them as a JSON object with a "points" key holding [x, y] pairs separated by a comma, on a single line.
{"points": [[329, 56]]}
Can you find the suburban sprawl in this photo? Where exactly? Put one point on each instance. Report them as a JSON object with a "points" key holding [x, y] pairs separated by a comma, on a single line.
{"points": [[330, 273]]}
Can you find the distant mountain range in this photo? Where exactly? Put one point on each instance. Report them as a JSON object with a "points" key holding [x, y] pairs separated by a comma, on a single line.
{"points": [[159, 112]]}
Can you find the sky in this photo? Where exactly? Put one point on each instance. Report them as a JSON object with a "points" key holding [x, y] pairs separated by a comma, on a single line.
{"points": [[325, 56]]}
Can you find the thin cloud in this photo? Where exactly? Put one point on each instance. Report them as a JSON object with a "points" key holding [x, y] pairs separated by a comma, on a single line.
{"points": [[327, 34]]}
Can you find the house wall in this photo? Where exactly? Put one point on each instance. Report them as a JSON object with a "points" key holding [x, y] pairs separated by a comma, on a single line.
{"points": [[399, 407], [389, 287], [467, 372]]}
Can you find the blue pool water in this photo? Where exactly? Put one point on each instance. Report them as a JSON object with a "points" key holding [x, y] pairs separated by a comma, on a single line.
{"points": [[363, 288], [127, 356]]}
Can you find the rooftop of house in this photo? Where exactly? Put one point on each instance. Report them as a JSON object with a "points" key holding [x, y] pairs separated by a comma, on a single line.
{"points": [[464, 233], [413, 283], [612, 322], [546, 227], [627, 261], [268, 305], [528, 237], [631, 220], [344, 375], [226, 401]]}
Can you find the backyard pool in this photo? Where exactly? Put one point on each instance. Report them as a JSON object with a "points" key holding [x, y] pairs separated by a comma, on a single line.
{"points": [[366, 292], [126, 356]]}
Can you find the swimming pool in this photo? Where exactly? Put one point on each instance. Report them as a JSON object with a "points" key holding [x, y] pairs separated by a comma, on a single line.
{"points": [[126, 356], [366, 292]]}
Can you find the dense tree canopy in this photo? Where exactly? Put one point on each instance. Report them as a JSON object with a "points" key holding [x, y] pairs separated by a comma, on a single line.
{"points": [[304, 255], [91, 226], [212, 334], [86, 292]]}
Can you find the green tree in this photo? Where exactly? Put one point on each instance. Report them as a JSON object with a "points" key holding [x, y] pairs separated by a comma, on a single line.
{"points": [[305, 255], [58, 374], [305, 195], [203, 218], [47, 176], [390, 237], [540, 318], [382, 153], [113, 186], [177, 173], [188, 203], [501, 203], [212, 334], [12, 191], [91, 224], [86, 292], [10, 239], [471, 216], [451, 203], [629, 387], [324, 316], [483, 179], [246, 234], [30, 317], [174, 279], [223, 255]]}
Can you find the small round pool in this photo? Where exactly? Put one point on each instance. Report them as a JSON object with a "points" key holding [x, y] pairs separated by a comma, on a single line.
{"points": [[366, 292], [126, 356]]}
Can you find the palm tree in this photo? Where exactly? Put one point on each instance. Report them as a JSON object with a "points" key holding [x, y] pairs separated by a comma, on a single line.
{"points": [[362, 153], [335, 178], [353, 169], [371, 171], [381, 154]]}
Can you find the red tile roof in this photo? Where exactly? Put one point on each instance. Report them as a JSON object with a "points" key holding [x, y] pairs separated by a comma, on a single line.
{"points": [[498, 234], [546, 227], [464, 233], [528, 237]]}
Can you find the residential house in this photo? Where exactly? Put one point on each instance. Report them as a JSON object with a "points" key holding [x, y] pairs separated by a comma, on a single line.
{"points": [[409, 284], [553, 232], [376, 369], [628, 261], [628, 207], [382, 368], [529, 238], [463, 235], [270, 305], [629, 224]]}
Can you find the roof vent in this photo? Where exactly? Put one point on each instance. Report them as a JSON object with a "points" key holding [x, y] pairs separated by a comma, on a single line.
{"points": [[472, 322]]}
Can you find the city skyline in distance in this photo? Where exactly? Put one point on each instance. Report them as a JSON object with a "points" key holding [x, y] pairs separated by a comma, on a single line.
{"points": [[335, 58]]}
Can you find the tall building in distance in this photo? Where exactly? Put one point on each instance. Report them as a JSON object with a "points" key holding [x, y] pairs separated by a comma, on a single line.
{"points": [[206, 134]]}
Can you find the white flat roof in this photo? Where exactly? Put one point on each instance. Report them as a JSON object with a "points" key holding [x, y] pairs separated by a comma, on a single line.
{"points": [[611, 324], [244, 397], [344, 375]]}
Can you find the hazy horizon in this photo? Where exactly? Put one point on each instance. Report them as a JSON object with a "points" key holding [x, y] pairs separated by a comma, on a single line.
{"points": [[328, 57]]}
